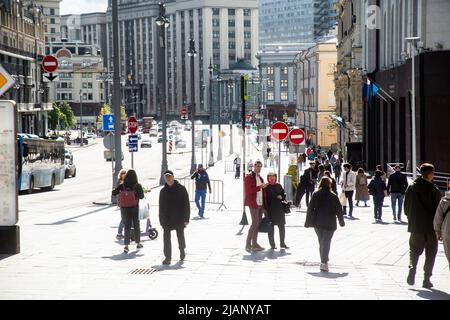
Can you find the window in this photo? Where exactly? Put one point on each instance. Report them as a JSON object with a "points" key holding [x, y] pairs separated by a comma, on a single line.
{"points": [[231, 12], [90, 96], [270, 96], [216, 34], [216, 45], [247, 12], [284, 95], [52, 21], [215, 11], [216, 23], [247, 35], [285, 70], [247, 45], [231, 23], [284, 83], [231, 34], [52, 30], [269, 70], [52, 12], [247, 23], [232, 45], [270, 83]]}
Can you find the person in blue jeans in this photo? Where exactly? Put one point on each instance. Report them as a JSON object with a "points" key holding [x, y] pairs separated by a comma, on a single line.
{"points": [[397, 186], [377, 188], [201, 182]]}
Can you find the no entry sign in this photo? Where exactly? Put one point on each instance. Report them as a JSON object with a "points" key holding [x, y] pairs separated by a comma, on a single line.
{"points": [[132, 125], [280, 131], [297, 136], [49, 64]]}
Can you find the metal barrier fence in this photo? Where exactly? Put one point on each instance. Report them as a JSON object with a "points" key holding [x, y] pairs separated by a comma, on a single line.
{"points": [[441, 179], [215, 197], [229, 166]]}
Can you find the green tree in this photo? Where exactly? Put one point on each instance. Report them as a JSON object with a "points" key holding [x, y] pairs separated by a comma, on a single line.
{"points": [[54, 116], [123, 113], [70, 119], [106, 109]]}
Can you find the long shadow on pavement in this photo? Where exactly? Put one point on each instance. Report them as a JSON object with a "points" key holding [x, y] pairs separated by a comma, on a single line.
{"points": [[123, 256], [162, 267], [432, 294], [328, 275], [262, 255], [70, 220]]}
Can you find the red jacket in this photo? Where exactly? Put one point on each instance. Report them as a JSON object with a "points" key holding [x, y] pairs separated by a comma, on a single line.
{"points": [[251, 190]]}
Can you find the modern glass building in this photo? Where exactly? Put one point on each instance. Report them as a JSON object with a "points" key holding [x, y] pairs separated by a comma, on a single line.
{"points": [[285, 21]]}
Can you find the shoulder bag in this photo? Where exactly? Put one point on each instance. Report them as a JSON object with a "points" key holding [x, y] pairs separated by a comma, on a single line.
{"points": [[128, 198]]}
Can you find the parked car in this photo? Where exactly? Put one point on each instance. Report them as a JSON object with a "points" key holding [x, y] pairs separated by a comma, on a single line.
{"points": [[153, 133], [70, 168], [180, 144], [91, 136], [198, 122], [188, 122], [146, 143], [187, 128]]}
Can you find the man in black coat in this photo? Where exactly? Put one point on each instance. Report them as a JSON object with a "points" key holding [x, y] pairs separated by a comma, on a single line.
{"points": [[397, 187], [174, 214], [310, 175], [421, 201]]}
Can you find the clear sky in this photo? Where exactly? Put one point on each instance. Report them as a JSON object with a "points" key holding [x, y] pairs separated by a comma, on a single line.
{"points": [[83, 6]]}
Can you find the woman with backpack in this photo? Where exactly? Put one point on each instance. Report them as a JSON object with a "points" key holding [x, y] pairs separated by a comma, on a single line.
{"points": [[322, 212], [378, 189], [130, 191]]}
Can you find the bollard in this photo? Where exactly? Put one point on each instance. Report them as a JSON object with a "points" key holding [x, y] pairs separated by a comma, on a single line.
{"points": [[288, 188]]}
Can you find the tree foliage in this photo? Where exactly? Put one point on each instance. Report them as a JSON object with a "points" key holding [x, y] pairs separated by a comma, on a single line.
{"points": [[67, 111]]}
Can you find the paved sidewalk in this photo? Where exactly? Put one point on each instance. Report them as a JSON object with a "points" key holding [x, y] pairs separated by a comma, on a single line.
{"points": [[73, 254]]}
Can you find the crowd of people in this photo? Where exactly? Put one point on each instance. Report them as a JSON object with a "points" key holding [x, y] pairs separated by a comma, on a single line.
{"points": [[426, 211]]}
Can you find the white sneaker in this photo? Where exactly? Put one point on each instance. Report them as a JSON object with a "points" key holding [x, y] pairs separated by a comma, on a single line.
{"points": [[324, 267]]}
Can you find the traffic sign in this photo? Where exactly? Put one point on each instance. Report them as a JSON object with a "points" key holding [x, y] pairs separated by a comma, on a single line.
{"points": [[280, 131], [297, 136], [49, 64], [133, 139], [49, 77], [108, 122], [109, 142], [133, 148], [6, 81], [132, 125]]}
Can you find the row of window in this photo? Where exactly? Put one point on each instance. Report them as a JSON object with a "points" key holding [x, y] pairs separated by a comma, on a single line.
{"points": [[271, 96], [270, 70], [231, 23], [232, 12]]}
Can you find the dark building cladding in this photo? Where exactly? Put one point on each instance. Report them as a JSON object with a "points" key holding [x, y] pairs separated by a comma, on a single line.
{"points": [[388, 135]]}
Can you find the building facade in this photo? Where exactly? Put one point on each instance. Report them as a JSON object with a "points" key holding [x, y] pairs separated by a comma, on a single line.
{"points": [[22, 43], [223, 32], [51, 9], [80, 81], [295, 20], [349, 73], [387, 59], [315, 93]]}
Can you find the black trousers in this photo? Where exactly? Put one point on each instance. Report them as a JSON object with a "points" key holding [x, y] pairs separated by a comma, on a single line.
{"points": [[271, 235], [168, 242], [418, 242], [130, 216], [309, 192], [349, 196], [238, 171]]}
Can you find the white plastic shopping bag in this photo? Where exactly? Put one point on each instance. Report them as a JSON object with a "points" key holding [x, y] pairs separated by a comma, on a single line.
{"points": [[343, 199], [144, 209]]}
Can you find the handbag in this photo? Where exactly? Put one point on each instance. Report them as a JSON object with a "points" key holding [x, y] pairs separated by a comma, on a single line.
{"points": [[266, 225], [144, 210], [128, 198], [342, 199], [286, 206]]}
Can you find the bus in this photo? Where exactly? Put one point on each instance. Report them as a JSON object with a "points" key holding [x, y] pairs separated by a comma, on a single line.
{"points": [[41, 163], [147, 123]]}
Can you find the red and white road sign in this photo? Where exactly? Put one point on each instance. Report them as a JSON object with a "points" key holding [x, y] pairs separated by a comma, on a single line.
{"points": [[50, 64], [297, 136], [132, 125], [184, 111], [280, 130]]}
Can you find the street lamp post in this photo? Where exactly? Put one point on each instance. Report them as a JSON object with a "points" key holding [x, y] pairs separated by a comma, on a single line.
{"points": [[211, 118], [219, 151], [192, 53], [231, 86], [162, 22], [81, 116], [412, 41]]}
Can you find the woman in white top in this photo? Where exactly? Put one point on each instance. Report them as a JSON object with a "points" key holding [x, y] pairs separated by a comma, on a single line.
{"points": [[348, 182]]}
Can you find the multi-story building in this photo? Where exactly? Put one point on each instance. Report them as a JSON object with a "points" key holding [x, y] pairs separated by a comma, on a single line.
{"points": [[315, 93], [295, 20], [51, 9], [387, 60], [89, 28], [279, 73], [22, 44], [223, 32], [80, 79], [349, 74]]}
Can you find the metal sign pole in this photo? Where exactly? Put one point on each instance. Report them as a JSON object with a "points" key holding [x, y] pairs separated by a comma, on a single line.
{"points": [[132, 160], [279, 160]]}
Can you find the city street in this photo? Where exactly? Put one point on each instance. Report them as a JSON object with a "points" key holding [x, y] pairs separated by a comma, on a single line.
{"points": [[69, 250]]}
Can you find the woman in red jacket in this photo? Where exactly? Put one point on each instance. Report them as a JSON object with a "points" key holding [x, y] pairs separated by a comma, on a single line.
{"points": [[254, 185]]}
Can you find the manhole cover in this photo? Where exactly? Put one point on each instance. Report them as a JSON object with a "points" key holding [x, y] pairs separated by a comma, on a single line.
{"points": [[143, 271]]}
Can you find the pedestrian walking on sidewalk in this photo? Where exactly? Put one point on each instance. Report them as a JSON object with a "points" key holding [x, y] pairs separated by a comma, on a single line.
{"points": [[377, 188], [300, 192], [337, 168], [277, 161], [442, 224], [333, 182], [254, 185], [130, 191], [274, 196], [422, 199], [310, 180], [348, 181], [120, 178], [174, 214], [321, 215], [329, 154], [362, 191], [271, 159], [201, 182], [321, 172], [300, 161], [383, 176], [396, 188], [328, 167], [237, 166]]}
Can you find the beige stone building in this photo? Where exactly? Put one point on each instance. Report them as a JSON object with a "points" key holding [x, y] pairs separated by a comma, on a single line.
{"points": [[315, 93], [349, 75]]}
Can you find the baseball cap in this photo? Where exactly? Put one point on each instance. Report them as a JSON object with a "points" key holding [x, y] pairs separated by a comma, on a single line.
{"points": [[168, 173]]}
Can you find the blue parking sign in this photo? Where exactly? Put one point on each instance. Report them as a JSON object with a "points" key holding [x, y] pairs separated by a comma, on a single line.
{"points": [[108, 122]]}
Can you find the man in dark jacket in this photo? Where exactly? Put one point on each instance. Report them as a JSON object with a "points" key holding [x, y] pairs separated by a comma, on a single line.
{"points": [[421, 201], [310, 180], [201, 181], [397, 187], [174, 214]]}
